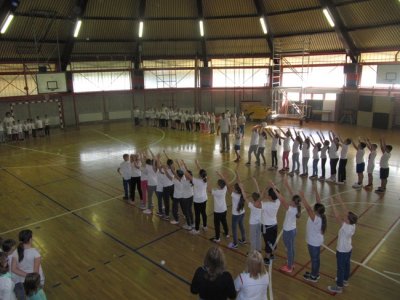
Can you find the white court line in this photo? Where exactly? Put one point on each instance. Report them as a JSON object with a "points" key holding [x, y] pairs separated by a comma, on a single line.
{"points": [[365, 266], [40, 151], [380, 243], [60, 215], [111, 137], [391, 273]]}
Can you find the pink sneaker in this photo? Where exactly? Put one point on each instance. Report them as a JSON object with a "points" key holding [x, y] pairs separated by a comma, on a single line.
{"points": [[286, 269]]}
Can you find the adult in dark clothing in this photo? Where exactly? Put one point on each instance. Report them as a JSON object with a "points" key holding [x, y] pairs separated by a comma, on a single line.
{"points": [[212, 281]]}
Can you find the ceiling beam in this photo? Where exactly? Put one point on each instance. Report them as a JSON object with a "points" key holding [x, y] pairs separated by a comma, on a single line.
{"points": [[262, 13], [138, 52], [78, 11], [341, 30], [200, 16]]}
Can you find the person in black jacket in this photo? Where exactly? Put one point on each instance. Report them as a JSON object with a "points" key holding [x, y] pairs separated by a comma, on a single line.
{"points": [[212, 281]]}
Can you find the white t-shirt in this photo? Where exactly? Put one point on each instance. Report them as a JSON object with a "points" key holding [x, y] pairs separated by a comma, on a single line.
{"points": [[238, 139], [27, 264], [166, 180], [251, 289], [344, 151], [324, 149], [286, 144], [346, 232], [178, 188], [242, 120], [333, 151], [199, 190], [290, 219], [160, 181], [224, 125], [262, 140], [371, 161], [187, 189], [235, 202], [315, 153], [219, 200], [39, 124], [125, 170], [274, 146], [136, 170], [254, 138], [151, 175], [305, 151], [255, 214], [384, 163], [360, 156], [7, 287], [295, 147], [269, 212], [314, 236]]}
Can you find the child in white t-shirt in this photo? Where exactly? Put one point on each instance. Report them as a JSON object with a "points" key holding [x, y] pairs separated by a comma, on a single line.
{"points": [[276, 142], [371, 163], [237, 143], [344, 247], [238, 213], [384, 165], [125, 170], [220, 208], [293, 211], [316, 227], [2, 135], [360, 164], [315, 154]]}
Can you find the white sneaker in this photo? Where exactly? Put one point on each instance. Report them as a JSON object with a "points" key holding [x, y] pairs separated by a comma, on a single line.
{"points": [[356, 186], [147, 211], [194, 231], [340, 183], [173, 222], [205, 228], [187, 227], [331, 180]]}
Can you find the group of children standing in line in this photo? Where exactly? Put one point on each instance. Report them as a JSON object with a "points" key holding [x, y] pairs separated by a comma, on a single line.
{"points": [[11, 130], [167, 117], [319, 151], [21, 273], [174, 182]]}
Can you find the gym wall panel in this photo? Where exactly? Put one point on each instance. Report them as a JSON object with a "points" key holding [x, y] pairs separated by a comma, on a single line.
{"points": [[328, 105], [184, 100], [4, 107], [21, 112], [118, 115], [90, 117], [383, 104], [364, 119], [69, 114], [119, 102]]}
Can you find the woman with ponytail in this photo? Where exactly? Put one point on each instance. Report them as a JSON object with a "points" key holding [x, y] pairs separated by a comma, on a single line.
{"points": [[237, 214], [316, 227], [293, 212], [25, 259]]}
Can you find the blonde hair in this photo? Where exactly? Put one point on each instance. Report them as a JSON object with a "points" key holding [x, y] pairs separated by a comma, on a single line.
{"points": [[255, 265], [214, 263]]}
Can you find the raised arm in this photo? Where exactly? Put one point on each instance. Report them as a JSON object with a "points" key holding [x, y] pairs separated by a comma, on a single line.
{"points": [[312, 141], [304, 135], [185, 169], [166, 155], [321, 138], [269, 132], [382, 144], [286, 183], [354, 144], [229, 186], [317, 195], [280, 196], [307, 206], [197, 164], [368, 143], [256, 184]]}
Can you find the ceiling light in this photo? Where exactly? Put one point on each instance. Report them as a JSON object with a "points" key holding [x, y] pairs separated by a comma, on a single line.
{"points": [[140, 29], [263, 25], [201, 28], [328, 17], [77, 28], [6, 23]]}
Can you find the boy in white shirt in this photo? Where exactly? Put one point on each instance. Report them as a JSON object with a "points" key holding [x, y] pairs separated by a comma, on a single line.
{"points": [[46, 122], [136, 116], [384, 163], [360, 164], [238, 141], [39, 126], [2, 135], [253, 143], [20, 131], [241, 122], [125, 170], [371, 163], [344, 247]]}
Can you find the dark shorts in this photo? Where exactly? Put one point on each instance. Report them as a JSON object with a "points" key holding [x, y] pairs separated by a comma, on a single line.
{"points": [[384, 173], [360, 168], [237, 147], [178, 121]]}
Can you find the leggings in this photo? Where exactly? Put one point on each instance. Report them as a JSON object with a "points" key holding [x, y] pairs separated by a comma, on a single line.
{"points": [[151, 189], [160, 202], [220, 218], [285, 159], [274, 158], [323, 162], [186, 206], [295, 161], [270, 233], [260, 152], [342, 170], [168, 193], [333, 162], [200, 209], [305, 165], [143, 187], [135, 183]]}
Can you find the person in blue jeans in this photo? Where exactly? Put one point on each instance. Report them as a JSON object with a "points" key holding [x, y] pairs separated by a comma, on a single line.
{"points": [[348, 221], [238, 214], [125, 171], [316, 227], [293, 212]]}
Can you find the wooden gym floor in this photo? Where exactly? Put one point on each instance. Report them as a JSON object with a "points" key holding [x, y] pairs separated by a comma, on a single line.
{"points": [[94, 246]]}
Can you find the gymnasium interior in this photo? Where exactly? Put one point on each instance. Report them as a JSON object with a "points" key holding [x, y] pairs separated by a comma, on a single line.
{"points": [[90, 65]]}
